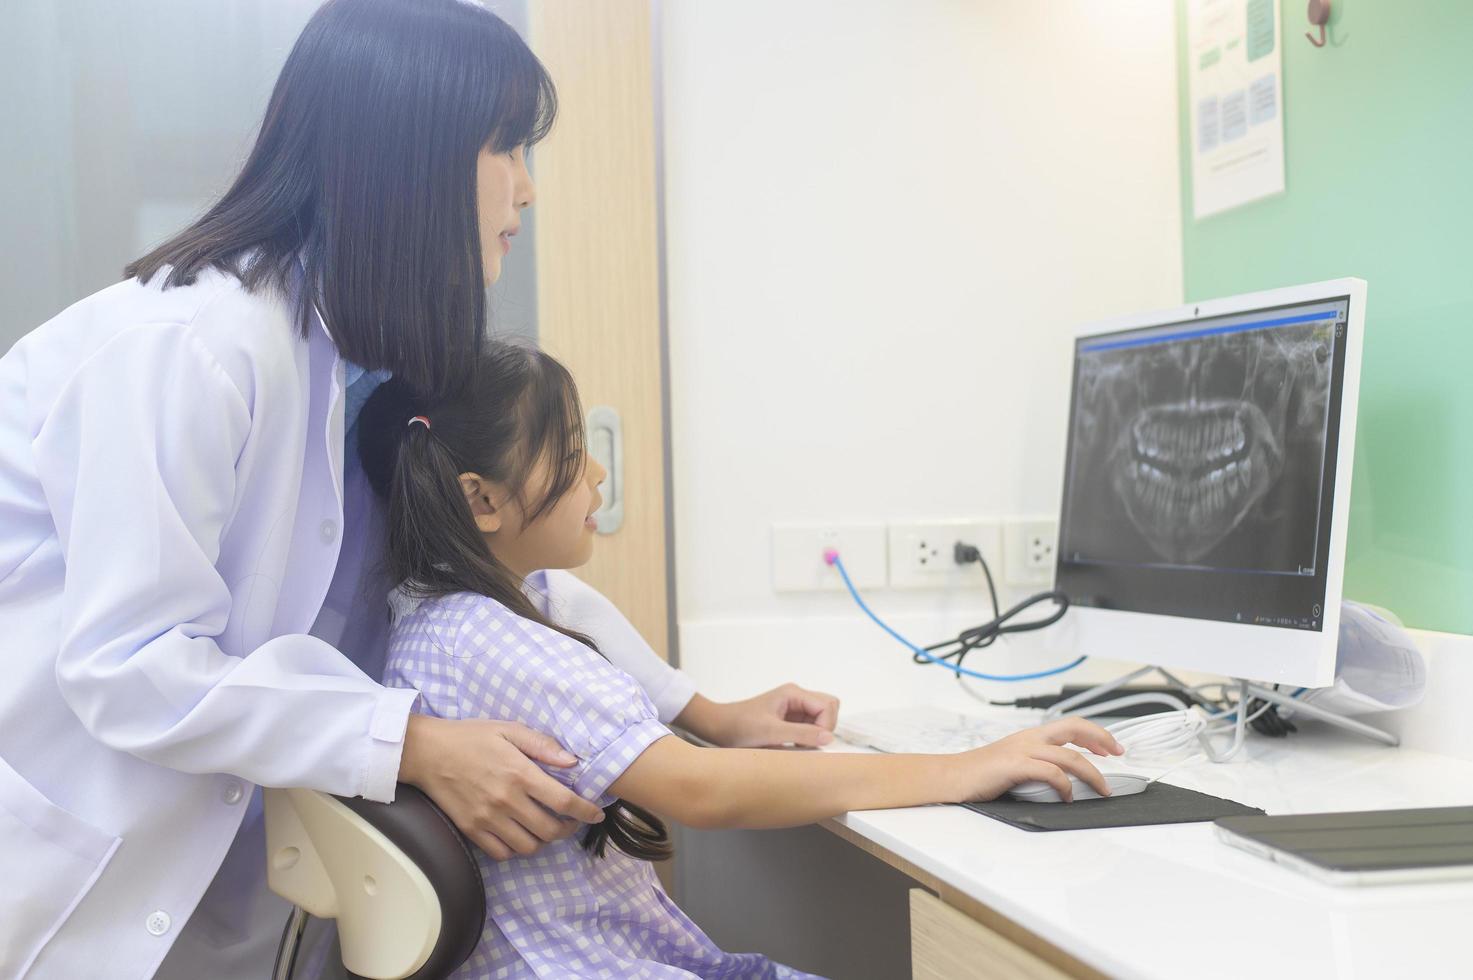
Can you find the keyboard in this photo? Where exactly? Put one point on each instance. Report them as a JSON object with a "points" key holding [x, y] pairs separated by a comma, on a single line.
{"points": [[923, 730]]}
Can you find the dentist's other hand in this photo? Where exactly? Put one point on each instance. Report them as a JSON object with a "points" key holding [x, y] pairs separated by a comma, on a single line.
{"points": [[786, 715], [482, 774]]}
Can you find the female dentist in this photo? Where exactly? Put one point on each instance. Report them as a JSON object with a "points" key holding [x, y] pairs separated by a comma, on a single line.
{"points": [[186, 547]]}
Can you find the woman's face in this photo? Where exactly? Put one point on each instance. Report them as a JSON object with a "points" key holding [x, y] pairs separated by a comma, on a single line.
{"points": [[503, 189]]}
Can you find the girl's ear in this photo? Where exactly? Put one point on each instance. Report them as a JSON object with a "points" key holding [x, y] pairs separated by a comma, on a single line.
{"points": [[478, 495]]}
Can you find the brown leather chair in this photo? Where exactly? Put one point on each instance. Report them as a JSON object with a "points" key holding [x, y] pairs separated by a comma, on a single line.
{"points": [[400, 880]]}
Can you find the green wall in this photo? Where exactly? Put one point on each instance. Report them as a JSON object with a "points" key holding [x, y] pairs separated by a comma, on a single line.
{"points": [[1378, 130]]}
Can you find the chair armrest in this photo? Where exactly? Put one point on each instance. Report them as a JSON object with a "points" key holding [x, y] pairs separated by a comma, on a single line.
{"points": [[402, 882]]}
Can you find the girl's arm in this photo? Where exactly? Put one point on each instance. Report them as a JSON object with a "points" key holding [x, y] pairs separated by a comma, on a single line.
{"points": [[757, 788]]}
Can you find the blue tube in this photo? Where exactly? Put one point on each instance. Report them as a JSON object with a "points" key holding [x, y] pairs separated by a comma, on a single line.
{"points": [[834, 559]]}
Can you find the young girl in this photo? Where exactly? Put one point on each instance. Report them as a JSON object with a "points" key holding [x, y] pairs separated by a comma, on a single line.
{"points": [[484, 492]]}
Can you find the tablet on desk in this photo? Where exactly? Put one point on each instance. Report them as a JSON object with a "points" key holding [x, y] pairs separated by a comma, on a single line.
{"points": [[1365, 848]]}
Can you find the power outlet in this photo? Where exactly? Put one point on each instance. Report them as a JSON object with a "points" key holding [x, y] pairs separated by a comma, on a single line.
{"points": [[922, 555], [1029, 551], [797, 556]]}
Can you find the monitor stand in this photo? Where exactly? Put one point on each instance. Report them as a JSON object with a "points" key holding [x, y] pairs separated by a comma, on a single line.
{"points": [[1260, 691]]}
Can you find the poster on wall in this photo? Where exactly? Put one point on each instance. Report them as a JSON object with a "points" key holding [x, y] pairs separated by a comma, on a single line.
{"points": [[1236, 90]]}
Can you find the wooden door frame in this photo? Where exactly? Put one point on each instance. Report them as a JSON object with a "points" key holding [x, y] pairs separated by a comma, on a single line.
{"points": [[600, 274]]}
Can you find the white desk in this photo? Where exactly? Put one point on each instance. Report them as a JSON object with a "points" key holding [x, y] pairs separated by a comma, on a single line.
{"points": [[1171, 901]]}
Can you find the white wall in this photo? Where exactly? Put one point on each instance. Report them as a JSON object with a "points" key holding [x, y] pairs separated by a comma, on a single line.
{"points": [[883, 221]]}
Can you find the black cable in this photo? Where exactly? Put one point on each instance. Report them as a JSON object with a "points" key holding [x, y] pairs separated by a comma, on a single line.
{"points": [[963, 554], [1270, 723], [985, 635]]}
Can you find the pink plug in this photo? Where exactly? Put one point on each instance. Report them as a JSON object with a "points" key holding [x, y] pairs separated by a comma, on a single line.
{"points": [[830, 555]]}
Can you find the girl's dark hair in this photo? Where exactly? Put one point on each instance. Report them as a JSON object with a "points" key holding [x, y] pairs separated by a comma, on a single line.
{"points": [[520, 406], [365, 170]]}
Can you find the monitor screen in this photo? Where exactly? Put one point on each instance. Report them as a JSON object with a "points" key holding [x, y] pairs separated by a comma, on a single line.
{"points": [[1200, 476]]}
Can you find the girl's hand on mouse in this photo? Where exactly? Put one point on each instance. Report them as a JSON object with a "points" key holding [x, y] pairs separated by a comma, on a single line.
{"points": [[1036, 754]]}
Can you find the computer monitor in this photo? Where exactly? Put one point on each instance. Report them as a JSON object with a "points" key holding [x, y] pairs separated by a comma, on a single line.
{"points": [[1207, 483]]}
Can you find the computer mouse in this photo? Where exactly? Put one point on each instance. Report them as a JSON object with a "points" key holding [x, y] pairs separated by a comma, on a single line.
{"points": [[1121, 784]]}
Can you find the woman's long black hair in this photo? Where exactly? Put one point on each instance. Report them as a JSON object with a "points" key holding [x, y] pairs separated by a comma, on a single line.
{"points": [[364, 170], [521, 406]]}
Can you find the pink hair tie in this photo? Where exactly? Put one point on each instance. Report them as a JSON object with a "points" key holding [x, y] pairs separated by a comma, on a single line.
{"points": [[421, 420]]}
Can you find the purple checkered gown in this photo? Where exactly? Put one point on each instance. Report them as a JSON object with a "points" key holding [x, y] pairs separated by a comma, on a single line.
{"points": [[562, 912]]}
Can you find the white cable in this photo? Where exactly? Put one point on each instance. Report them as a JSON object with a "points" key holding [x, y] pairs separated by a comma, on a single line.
{"points": [[1161, 737], [1185, 731], [1225, 725], [1240, 728], [1177, 737], [973, 694]]}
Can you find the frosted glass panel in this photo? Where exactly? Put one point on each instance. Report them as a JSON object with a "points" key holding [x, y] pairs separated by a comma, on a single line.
{"points": [[124, 119]]}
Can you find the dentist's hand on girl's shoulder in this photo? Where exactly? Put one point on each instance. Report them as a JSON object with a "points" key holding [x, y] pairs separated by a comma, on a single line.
{"points": [[483, 775], [1035, 754]]}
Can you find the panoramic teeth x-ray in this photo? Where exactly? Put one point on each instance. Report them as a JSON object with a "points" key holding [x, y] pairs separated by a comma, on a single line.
{"points": [[1193, 441]]}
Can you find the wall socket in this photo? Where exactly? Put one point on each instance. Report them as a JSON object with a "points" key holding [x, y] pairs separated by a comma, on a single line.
{"points": [[1029, 550], [797, 556], [922, 554], [1020, 551]]}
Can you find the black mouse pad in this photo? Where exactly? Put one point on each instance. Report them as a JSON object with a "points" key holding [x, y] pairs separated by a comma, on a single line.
{"points": [[1157, 803]]}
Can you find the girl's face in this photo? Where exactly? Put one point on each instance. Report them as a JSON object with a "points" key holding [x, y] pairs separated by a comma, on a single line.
{"points": [[561, 537], [503, 189]]}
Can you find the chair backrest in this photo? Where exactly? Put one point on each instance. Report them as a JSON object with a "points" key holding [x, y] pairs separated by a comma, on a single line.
{"points": [[399, 878]]}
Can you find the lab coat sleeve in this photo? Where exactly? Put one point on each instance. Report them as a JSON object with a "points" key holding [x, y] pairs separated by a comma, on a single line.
{"points": [[137, 459], [580, 607]]}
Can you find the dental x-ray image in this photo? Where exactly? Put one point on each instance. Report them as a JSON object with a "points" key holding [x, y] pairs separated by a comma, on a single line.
{"points": [[1204, 451]]}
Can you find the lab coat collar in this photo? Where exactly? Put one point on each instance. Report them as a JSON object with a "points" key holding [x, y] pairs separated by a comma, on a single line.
{"points": [[323, 346]]}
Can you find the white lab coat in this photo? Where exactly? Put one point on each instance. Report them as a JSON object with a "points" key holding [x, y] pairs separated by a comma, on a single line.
{"points": [[171, 519]]}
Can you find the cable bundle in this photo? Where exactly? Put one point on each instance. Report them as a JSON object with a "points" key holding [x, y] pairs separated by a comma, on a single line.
{"points": [[972, 639], [1183, 734]]}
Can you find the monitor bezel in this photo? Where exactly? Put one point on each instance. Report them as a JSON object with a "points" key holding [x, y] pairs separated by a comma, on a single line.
{"points": [[1268, 654]]}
